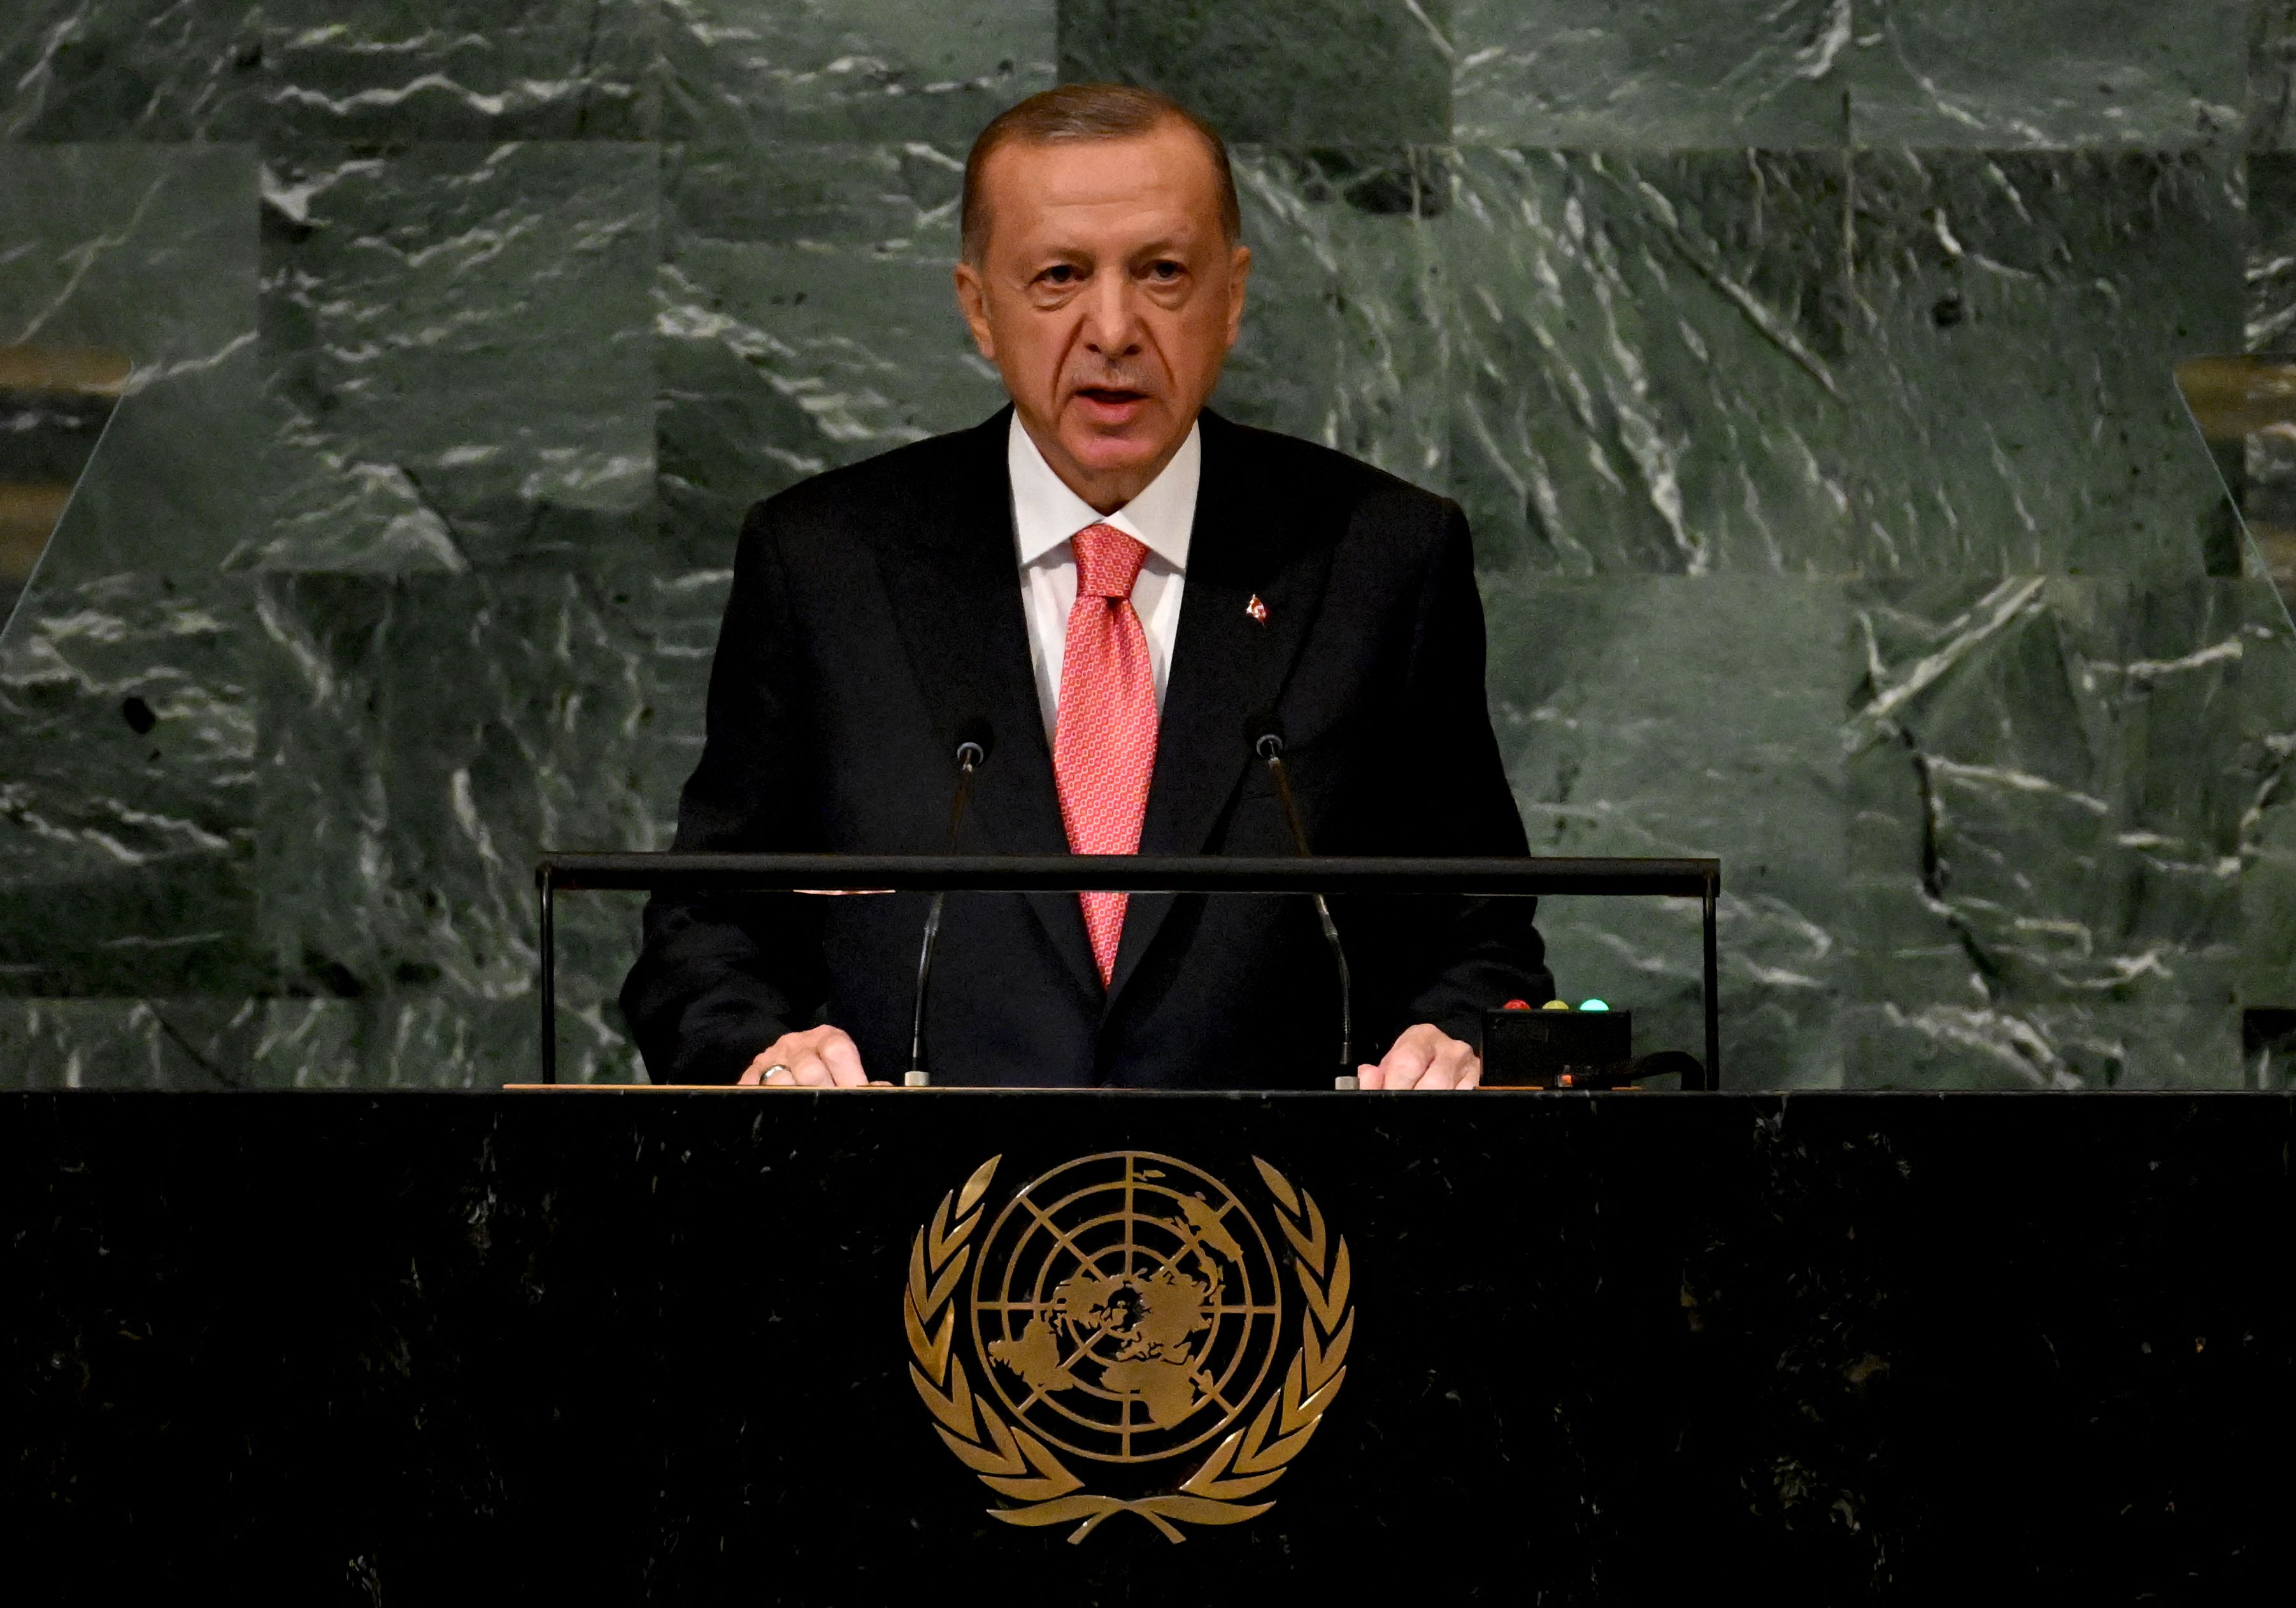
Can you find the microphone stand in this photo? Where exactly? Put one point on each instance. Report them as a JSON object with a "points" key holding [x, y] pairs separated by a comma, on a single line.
{"points": [[969, 756], [1270, 748]]}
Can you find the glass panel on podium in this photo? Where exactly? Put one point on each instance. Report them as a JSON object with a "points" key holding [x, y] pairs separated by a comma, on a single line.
{"points": [[2244, 407]]}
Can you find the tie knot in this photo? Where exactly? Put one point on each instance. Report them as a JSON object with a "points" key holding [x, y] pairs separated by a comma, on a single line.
{"points": [[1108, 562]]}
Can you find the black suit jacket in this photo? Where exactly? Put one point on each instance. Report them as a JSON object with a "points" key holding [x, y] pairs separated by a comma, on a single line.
{"points": [[876, 609]]}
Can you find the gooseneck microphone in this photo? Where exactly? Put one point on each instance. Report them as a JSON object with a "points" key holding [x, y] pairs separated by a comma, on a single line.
{"points": [[1265, 735], [973, 741]]}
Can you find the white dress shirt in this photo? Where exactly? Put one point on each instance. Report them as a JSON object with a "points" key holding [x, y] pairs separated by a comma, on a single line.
{"points": [[1045, 515]]}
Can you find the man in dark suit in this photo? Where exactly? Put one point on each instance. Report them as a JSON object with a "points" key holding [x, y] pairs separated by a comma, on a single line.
{"points": [[1118, 587]]}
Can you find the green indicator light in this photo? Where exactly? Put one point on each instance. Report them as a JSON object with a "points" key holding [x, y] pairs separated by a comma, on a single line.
{"points": [[1592, 1004]]}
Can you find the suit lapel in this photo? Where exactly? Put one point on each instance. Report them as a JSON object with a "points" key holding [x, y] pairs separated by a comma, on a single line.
{"points": [[956, 592], [1229, 663]]}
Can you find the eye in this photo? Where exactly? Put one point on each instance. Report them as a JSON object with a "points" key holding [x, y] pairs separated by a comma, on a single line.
{"points": [[1165, 271], [1059, 273]]}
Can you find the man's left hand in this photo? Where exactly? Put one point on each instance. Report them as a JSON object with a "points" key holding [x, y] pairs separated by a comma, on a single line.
{"points": [[1424, 1056]]}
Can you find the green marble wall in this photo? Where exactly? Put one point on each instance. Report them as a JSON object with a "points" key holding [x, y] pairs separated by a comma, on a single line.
{"points": [[1804, 366]]}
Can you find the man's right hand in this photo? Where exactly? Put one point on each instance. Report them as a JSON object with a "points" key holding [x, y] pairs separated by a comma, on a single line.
{"points": [[823, 1057]]}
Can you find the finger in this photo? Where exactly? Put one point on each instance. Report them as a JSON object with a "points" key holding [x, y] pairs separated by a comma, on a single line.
{"points": [[1455, 1066], [811, 1071], [1472, 1077], [1405, 1062], [1367, 1076], [843, 1059], [1448, 1066], [754, 1073]]}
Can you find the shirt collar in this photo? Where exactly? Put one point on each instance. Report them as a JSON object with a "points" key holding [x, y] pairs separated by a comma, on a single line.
{"points": [[1045, 512]]}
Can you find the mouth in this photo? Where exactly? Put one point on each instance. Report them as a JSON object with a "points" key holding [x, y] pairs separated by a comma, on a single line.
{"points": [[1111, 404]]}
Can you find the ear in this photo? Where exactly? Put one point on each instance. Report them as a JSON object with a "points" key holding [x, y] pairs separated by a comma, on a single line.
{"points": [[972, 301], [1239, 273]]}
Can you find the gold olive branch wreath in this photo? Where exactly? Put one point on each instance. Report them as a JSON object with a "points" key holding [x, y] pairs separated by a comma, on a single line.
{"points": [[1017, 1465]]}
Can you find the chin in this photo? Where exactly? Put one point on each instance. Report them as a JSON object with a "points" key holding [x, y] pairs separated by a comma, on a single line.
{"points": [[1113, 451]]}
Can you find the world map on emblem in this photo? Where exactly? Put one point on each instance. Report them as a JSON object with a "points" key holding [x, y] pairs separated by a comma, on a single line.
{"points": [[1125, 1307]]}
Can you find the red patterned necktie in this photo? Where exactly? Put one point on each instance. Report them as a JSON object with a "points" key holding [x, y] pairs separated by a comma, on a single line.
{"points": [[1105, 733]]}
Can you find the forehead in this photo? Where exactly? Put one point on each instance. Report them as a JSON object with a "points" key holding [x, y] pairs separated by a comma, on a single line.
{"points": [[1161, 182]]}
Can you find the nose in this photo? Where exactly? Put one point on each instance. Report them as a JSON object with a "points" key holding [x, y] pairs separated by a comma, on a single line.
{"points": [[1111, 317]]}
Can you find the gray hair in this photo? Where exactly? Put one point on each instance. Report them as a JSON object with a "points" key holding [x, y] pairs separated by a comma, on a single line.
{"points": [[1087, 112]]}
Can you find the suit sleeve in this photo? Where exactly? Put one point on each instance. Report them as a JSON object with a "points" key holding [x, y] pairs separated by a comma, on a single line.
{"points": [[720, 978], [1458, 958]]}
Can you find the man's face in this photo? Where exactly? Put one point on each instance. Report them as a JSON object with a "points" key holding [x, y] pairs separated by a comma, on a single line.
{"points": [[1108, 296]]}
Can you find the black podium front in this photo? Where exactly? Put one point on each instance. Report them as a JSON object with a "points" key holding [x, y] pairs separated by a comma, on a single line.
{"points": [[613, 1346]]}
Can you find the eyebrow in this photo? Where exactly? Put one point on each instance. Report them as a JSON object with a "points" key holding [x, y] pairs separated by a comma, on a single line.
{"points": [[1165, 247]]}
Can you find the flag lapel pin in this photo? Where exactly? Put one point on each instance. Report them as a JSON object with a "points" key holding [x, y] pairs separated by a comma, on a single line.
{"points": [[1257, 609]]}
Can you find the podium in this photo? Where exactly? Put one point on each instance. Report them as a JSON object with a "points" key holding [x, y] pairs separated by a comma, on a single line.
{"points": [[622, 1345]]}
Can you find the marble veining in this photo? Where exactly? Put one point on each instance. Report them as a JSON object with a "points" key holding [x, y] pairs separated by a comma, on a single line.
{"points": [[2102, 269], [2049, 778], [508, 283], [1278, 71], [1586, 73], [2130, 73], [1639, 716], [127, 724], [467, 70], [734, 71], [1650, 355], [1804, 367], [1346, 338]]}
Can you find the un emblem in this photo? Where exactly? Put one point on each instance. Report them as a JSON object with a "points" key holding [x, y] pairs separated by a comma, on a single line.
{"points": [[1126, 1309]]}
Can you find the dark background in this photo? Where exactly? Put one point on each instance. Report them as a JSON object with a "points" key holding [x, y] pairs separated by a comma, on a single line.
{"points": [[629, 1346]]}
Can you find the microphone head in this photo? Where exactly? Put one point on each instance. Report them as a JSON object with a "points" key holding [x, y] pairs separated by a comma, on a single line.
{"points": [[1264, 731], [976, 735]]}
